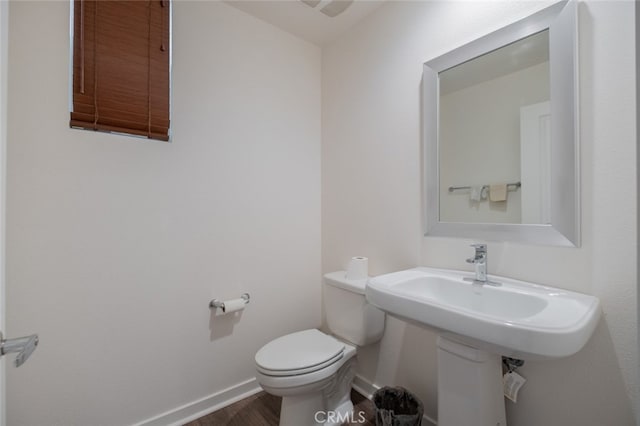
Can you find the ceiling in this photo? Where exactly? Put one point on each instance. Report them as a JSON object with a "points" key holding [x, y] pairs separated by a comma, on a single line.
{"points": [[305, 21]]}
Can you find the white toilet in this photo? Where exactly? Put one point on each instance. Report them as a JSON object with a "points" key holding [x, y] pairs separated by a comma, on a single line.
{"points": [[313, 371]]}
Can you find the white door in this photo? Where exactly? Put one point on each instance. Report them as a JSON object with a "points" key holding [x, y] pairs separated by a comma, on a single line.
{"points": [[535, 162]]}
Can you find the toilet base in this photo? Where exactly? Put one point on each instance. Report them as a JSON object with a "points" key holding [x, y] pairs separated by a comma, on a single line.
{"points": [[329, 404], [302, 410], [296, 408]]}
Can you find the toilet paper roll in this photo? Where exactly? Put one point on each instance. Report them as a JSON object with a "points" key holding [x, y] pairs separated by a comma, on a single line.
{"points": [[358, 268], [233, 305]]}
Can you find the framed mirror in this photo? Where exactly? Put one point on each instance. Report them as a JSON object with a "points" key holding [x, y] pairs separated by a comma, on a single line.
{"points": [[501, 134]]}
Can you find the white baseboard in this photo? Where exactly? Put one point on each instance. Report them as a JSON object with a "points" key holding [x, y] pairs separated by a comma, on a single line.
{"points": [[367, 389], [204, 406]]}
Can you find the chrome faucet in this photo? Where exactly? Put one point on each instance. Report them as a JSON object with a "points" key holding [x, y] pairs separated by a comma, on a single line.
{"points": [[480, 262]]}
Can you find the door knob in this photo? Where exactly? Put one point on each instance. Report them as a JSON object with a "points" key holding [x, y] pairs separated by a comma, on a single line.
{"points": [[24, 346]]}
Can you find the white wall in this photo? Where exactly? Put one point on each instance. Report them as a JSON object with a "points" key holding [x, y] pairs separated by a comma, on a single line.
{"points": [[481, 146], [371, 195], [116, 244]]}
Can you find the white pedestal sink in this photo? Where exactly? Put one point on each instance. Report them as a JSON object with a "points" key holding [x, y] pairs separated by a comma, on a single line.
{"points": [[477, 324]]}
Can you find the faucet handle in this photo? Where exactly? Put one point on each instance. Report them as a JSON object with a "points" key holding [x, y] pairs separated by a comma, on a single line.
{"points": [[479, 247]]}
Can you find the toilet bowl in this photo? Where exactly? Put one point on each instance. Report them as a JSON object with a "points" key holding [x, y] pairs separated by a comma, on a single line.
{"points": [[313, 371]]}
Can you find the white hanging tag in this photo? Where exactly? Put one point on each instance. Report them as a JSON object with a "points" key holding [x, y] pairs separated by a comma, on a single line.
{"points": [[511, 383]]}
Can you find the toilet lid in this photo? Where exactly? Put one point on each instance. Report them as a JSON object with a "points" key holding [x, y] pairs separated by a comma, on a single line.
{"points": [[299, 353]]}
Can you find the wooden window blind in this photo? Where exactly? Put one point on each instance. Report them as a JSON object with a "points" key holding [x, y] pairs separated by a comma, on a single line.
{"points": [[121, 67]]}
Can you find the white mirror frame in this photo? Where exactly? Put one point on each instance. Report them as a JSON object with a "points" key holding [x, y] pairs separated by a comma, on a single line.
{"points": [[564, 230]]}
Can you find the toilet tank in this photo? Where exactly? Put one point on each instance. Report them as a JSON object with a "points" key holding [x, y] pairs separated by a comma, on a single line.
{"points": [[347, 313]]}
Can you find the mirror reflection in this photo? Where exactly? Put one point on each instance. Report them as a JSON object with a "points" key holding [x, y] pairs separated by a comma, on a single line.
{"points": [[494, 136]]}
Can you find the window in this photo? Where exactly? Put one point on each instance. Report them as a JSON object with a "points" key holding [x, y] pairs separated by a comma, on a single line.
{"points": [[121, 67]]}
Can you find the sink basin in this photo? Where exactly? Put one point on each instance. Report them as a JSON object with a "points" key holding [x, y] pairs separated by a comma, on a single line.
{"points": [[516, 318]]}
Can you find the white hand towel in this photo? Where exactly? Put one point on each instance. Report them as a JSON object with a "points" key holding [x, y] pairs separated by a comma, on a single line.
{"points": [[484, 193], [475, 193]]}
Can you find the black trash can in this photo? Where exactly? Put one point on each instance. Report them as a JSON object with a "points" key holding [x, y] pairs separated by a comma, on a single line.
{"points": [[397, 407]]}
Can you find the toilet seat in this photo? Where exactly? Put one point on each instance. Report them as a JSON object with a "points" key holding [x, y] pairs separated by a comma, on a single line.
{"points": [[299, 353]]}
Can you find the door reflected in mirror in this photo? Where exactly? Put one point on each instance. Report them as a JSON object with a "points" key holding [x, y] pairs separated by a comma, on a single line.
{"points": [[495, 135]]}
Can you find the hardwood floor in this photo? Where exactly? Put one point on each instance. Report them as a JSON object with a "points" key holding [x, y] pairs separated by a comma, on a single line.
{"points": [[263, 409]]}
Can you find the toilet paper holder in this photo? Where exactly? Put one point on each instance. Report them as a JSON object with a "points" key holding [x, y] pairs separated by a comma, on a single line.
{"points": [[215, 303]]}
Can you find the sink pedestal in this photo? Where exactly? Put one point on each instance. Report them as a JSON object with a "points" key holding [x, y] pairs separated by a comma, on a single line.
{"points": [[469, 386]]}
